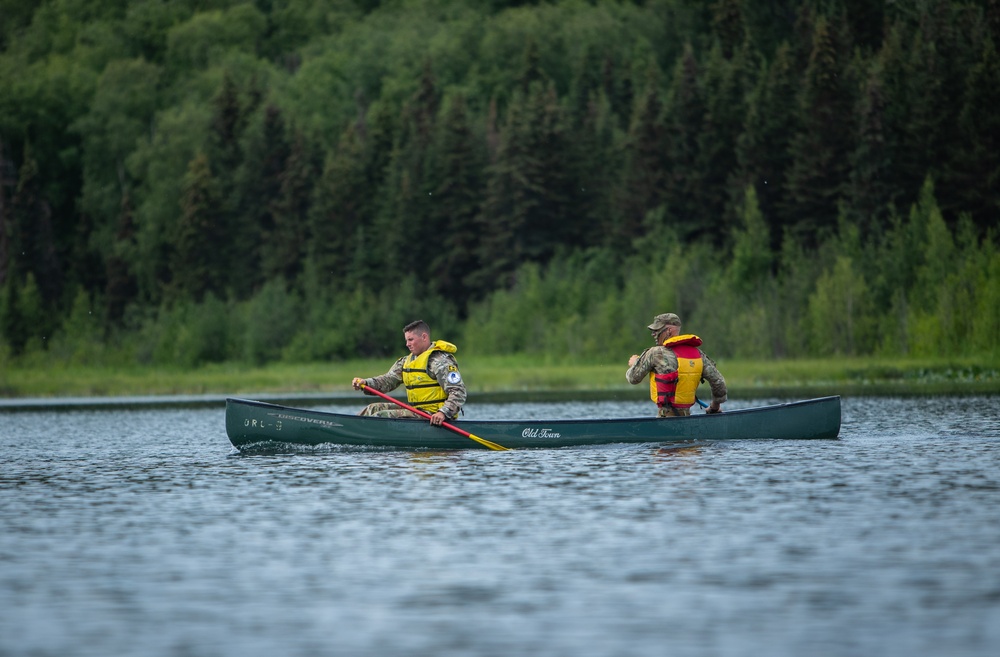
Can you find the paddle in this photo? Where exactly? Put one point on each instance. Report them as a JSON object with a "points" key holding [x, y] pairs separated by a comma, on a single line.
{"points": [[427, 415], [705, 406]]}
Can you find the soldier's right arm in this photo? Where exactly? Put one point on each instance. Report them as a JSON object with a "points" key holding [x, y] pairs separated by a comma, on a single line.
{"points": [[390, 380], [638, 371]]}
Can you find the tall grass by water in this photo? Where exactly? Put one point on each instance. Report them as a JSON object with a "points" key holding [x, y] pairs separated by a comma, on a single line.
{"points": [[516, 373]]}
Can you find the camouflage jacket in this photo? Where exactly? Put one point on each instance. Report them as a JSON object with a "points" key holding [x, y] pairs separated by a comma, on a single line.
{"points": [[663, 360], [439, 364]]}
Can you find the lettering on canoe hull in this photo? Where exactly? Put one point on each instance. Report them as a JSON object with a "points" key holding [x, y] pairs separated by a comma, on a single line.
{"points": [[540, 433], [255, 423]]}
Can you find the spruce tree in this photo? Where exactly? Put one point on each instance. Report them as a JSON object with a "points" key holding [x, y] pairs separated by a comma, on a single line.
{"points": [[935, 77], [585, 84], [725, 89], [456, 172], [685, 178], [32, 248], [598, 164], [402, 218], [817, 177], [337, 214], [727, 26], [557, 223], [526, 211], [121, 287], [762, 148], [200, 236], [258, 187], [286, 238], [975, 160], [870, 192], [643, 187]]}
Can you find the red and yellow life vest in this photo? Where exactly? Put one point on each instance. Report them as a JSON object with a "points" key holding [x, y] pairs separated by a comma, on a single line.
{"points": [[678, 388], [422, 389]]}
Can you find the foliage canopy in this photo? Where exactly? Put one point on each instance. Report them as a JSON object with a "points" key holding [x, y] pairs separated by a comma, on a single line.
{"points": [[192, 181]]}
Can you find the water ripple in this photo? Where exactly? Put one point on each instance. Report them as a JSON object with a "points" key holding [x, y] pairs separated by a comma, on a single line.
{"points": [[144, 533]]}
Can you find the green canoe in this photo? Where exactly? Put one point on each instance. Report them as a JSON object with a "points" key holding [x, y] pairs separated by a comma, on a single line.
{"points": [[252, 424]]}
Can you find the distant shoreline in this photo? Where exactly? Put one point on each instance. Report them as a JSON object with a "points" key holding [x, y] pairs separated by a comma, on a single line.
{"points": [[41, 404], [490, 380]]}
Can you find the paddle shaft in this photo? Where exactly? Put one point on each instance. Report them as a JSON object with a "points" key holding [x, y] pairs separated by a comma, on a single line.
{"points": [[446, 425]]}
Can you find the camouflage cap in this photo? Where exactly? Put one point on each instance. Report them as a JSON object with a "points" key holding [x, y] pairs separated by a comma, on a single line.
{"points": [[661, 321]]}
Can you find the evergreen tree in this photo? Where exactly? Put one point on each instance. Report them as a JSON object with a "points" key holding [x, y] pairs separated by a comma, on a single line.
{"points": [[865, 22], [404, 215], [644, 176], [337, 215], [526, 211], [762, 148], [227, 126], [121, 286], [288, 233], [935, 79], [818, 173], [685, 191], [770, 24], [727, 26], [598, 168], [458, 187], [890, 109], [7, 182], [259, 182], [558, 223], [239, 255], [200, 236], [32, 246], [619, 87], [531, 68], [724, 85], [24, 323], [975, 164], [871, 194], [587, 81]]}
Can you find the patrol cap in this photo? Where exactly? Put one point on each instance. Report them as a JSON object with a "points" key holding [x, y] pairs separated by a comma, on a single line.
{"points": [[662, 321]]}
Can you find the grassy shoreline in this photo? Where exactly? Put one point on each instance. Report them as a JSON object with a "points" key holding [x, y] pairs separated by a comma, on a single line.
{"points": [[515, 375]]}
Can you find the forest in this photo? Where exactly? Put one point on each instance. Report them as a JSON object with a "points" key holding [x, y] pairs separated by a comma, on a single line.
{"points": [[197, 181]]}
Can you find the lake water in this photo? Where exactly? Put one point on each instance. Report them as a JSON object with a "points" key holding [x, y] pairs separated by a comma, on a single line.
{"points": [[142, 532]]}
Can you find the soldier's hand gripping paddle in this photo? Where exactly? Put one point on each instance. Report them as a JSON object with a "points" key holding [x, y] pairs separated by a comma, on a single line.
{"points": [[427, 415]]}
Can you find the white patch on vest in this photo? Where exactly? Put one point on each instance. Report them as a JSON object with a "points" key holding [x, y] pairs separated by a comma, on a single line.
{"points": [[454, 377]]}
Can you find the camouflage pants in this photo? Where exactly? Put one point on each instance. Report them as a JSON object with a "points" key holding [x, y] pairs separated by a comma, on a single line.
{"points": [[670, 411], [388, 409]]}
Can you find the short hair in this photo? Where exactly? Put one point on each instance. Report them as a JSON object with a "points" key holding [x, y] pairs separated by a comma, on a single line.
{"points": [[419, 326]]}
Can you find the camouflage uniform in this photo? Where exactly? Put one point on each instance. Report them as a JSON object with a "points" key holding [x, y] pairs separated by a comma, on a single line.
{"points": [[663, 360], [439, 364]]}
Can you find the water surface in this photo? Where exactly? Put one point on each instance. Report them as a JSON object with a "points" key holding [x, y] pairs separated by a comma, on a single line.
{"points": [[142, 532]]}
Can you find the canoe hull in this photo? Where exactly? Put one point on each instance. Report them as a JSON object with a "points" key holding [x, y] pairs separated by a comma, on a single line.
{"points": [[259, 424]]}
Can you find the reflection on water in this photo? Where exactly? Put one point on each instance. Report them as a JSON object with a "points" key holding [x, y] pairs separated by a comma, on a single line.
{"points": [[145, 533], [678, 451]]}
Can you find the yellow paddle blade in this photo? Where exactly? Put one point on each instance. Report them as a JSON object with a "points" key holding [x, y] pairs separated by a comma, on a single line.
{"points": [[483, 441]]}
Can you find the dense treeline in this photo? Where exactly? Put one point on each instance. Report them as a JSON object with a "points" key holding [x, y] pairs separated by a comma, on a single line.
{"points": [[184, 181]]}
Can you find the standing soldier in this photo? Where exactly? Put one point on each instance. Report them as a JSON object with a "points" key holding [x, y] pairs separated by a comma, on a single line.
{"points": [[675, 367], [430, 374]]}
